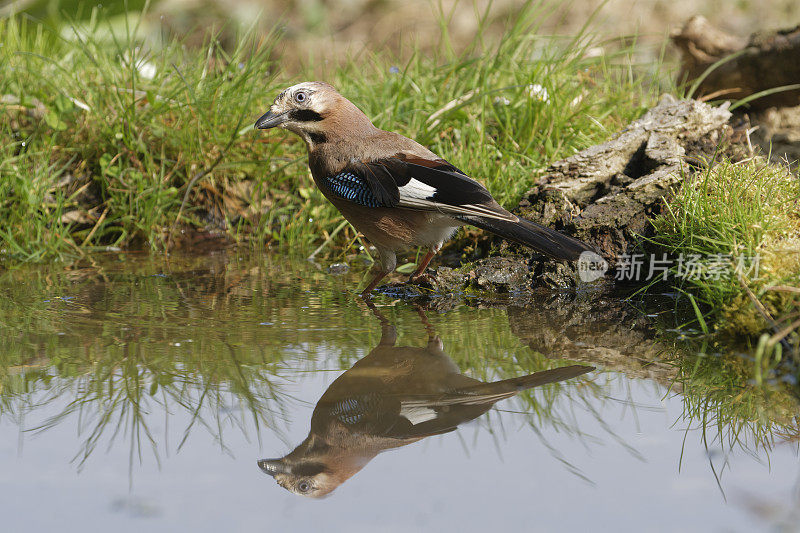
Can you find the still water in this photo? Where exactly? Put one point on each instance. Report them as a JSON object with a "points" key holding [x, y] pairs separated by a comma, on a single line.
{"points": [[139, 392]]}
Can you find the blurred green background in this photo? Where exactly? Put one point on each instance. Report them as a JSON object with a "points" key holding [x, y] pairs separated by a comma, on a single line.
{"points": [[323, 31]]}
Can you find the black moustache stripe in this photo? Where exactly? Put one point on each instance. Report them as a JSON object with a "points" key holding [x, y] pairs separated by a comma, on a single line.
{"points": [[305, 115], [309, 469], [317, 138]]}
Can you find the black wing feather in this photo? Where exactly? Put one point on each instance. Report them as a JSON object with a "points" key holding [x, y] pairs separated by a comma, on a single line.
{"points": [[380, 181], [453, 187], [439, 186], [456, 189]]}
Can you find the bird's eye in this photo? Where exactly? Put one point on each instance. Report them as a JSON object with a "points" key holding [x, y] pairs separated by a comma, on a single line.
{"points": [[300, 97], [304, 486]]}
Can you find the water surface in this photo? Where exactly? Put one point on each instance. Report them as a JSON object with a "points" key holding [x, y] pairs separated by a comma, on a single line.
{"points": [[138, 391]]}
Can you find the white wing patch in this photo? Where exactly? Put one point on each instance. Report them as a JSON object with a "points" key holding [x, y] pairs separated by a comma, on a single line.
{"points": [[419, 195], [416, 190], [416, 414]]}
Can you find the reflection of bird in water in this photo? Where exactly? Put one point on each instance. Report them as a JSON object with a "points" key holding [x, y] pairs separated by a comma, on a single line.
{"points": [[394, 396]]}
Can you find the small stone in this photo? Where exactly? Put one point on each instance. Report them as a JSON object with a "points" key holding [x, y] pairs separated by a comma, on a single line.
{"points": [[338, 269], [501, 274]]}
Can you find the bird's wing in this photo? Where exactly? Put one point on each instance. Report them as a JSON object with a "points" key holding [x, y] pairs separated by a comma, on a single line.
{"points": [[386, 416], [444, 407], [416, 183], [456, 398]]}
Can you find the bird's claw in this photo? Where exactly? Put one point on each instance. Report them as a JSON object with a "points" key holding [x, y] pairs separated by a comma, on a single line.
{"points": [[420, 279]]}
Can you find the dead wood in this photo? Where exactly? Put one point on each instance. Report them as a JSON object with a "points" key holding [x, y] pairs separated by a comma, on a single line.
{"points": [[765, 61], [606, 195]]}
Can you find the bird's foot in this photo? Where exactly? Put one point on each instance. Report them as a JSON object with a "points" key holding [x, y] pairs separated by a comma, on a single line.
{"points": [[423, 279]]}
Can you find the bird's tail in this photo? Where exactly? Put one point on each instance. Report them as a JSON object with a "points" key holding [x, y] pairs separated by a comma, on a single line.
{"points": [[545, 240], [484, 393], [542, 378]]}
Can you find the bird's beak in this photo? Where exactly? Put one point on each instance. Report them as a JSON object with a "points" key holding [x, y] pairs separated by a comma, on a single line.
{"points": [[273, 467], [270, 120]]}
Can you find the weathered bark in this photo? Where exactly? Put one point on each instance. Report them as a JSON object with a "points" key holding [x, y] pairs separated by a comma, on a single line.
{"points": [[767, 60], [606, 194]]}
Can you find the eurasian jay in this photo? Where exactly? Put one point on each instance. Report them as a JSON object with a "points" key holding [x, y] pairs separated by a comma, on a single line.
{"points": [[392, 189], [394, 396]]}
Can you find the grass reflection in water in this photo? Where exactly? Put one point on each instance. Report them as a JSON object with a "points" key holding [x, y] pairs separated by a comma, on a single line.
{"points": [[123, 343]]}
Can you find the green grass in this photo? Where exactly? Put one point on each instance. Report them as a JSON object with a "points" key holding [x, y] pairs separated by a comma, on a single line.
{"points": [[96, 152], [729, 211], [103, 128]]}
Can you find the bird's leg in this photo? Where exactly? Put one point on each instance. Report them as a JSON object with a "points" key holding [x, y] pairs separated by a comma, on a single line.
{"points": [[374, 283], [375, 311], [388, 261], [419, 274], [425, 322], [388, 331]]}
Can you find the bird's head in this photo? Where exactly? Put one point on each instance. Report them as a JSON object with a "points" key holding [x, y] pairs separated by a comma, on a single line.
{"points": [[311, 479], [315, 111], [314, 469]]}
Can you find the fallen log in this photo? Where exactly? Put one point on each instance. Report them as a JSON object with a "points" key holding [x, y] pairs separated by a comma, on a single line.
{"points": [[764, 61], [607, 194]]}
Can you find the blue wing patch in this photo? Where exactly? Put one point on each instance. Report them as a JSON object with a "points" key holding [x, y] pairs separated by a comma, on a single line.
{"points": [[351, 187], [351, 411]]}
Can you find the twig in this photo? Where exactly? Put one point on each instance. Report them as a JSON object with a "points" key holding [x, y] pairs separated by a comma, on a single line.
{"points": [[747, 132], [782, 334], [764, 313], [784, 288], [433, 120], [759, 306], [96, 225], [328, 240], [717, 94]]}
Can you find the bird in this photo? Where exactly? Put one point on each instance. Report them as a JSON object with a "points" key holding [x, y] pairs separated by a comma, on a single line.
{"points": [[393, 190], [394, 396]]}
